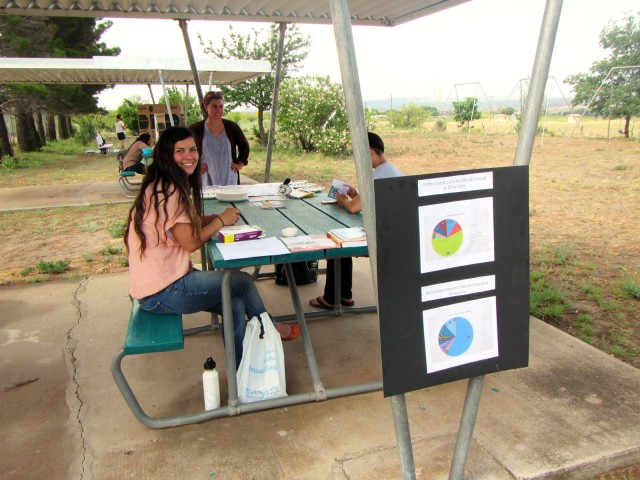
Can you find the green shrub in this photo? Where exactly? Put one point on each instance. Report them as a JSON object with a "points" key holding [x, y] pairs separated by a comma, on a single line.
{"points": [[26, 271], [111, 249], [631, 288], [440, 125], [116, 229], [8, 164], [57, 266], [86, 132]]}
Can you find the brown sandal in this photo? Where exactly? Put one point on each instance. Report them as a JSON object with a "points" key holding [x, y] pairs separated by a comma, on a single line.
{"points": [[320, 302]]}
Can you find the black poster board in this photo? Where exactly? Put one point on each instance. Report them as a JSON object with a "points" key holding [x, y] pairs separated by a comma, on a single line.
{"points": [[453, 275]]}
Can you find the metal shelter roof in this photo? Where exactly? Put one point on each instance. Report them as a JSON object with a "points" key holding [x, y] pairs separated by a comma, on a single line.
{"points": [[363, 12], [133, 71]]}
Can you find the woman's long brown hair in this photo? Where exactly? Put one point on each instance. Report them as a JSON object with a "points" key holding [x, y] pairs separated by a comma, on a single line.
{"points": [[165, 178]]}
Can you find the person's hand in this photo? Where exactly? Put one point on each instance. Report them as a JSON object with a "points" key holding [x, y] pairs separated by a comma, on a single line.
{"points": [[204, 168], [351, 192], [230, 216], [340, 198], [236, 166]]}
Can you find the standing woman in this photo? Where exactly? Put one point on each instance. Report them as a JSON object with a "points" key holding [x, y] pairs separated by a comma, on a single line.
{"points": [[166, 225], [120, 127], [223, 147]]}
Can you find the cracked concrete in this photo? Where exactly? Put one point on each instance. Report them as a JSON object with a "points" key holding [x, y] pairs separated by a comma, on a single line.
{"points": [[571, 414], [74, 396], [38, 437]]}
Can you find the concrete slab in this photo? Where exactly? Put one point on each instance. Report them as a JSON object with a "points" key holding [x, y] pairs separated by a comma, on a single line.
{"points": [[40, 433], [571, 414]]}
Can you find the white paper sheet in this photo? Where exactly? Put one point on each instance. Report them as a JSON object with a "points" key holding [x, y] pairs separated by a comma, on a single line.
{"points": [[461, 333], [262, 247]]}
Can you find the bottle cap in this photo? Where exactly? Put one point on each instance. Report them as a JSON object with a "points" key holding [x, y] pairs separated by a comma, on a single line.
{"points": [[210, 364]]}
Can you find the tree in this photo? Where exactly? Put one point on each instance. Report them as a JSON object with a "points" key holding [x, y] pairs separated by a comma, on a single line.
{"points": [[507, 110], [466, 111], [177, 97], [258, 92], [410, 116], [57, 37], [129, 111], [312, 115], [612, 86]]}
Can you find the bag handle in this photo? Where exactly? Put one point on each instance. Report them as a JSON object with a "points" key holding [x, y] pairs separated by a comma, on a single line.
{"points": [[261, 328]]}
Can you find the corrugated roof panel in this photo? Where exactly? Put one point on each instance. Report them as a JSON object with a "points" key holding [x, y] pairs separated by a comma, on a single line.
{"points": [[135, 71], [377, 12]]}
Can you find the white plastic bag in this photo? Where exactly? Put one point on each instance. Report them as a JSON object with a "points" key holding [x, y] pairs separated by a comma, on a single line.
{"points": [[261, 373]]}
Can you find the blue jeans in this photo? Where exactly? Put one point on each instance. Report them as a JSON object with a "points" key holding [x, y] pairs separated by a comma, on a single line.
{"points": [[202, 291]]}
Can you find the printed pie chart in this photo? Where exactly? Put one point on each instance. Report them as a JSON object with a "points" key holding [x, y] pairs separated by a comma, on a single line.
{"points": [[447, 237], [456, 336]]}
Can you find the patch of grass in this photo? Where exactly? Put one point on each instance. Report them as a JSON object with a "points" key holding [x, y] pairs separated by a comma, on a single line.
{"points": [[618, 345], [37, 280], [621, 167], [592, 292], [630, 288], [54, 267], [111, 249], [8, 164], [557, 255], [26, 271], [87, 257], [545, 300], [116, 229], [610, 306], [564, 254], [89, 227], [585, 328]]}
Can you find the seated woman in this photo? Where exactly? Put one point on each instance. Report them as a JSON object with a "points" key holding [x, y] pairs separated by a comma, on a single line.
{"points": [[133, 159], [166, 225]]}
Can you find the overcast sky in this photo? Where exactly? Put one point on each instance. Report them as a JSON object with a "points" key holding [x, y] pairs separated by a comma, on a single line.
{"points": [[483, 48]]}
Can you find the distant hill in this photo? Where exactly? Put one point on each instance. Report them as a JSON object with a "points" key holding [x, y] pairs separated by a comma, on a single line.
{"points": [[554, 104]]}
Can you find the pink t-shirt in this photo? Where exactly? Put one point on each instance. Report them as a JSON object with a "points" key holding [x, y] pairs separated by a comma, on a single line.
{"points": [[164, 261]]}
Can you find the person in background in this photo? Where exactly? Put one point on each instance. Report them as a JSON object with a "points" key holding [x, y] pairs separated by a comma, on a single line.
{"points": [[223, 148], [351, 202], [133, 158], [120, 128], [166, 225]]}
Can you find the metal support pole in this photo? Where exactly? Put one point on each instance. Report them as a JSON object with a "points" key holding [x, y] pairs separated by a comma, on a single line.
{"points": [[357, 124], [274, 103], [196, 79], [358, 129], [403, 437], [186, 104], [467, 423], [529, 123], [166, 98], [153, 100]]}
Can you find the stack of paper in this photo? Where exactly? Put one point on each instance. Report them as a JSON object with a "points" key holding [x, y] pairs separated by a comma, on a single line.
{"points": [[303, 243], [348, 237]]}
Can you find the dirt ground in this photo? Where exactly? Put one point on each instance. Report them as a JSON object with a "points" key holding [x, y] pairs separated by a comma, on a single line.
{"points": [[584, 199]]}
